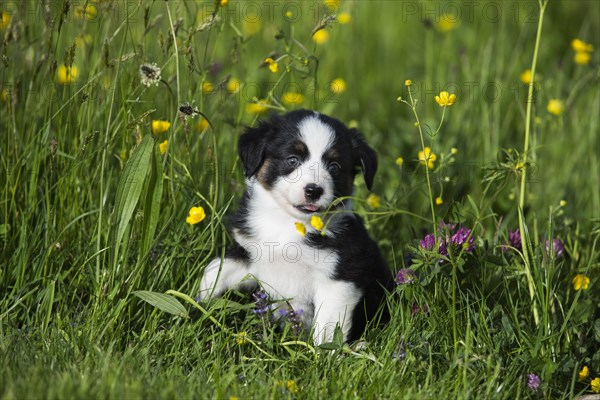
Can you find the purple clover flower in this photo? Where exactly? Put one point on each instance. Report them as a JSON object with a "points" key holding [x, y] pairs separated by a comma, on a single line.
{"points": [[428, 242], [261, 300], [558, 248], [405, 276], [533, 381], [464, 238], [514, 239], [450, 236]]}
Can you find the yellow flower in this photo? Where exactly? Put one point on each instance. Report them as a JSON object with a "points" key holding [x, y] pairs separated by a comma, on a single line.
{"points": [[233, 398], [300, 228], [445, 99], [292, 387], [5, 20], [373, 201], [251, 26], [525, 76], [448, 23], [292, 98], [399, 161], [427, 157], [582, 58], [581, 282], [596, 384], [89, 12], [224, 3], [201, 125], [562, 203], [241, 338], [159, 126], [316, 222], [407, 82], [67, 75], [338, 86], [257, 108], [272, 64], [439, 201], [207, 87], [195, 215], [555, 107], [233, 85], [585, 371], [332, 3], [344, 18], [163, 147], [454, 150], [581, 46], [320, 36]]}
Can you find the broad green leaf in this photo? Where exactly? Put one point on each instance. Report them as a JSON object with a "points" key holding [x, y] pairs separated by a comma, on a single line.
{"points": [[153, 195], [163, 302], [131, 184]]}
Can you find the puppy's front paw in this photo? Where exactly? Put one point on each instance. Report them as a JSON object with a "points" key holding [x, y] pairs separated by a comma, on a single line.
{"points": [[209, 286], [219, 276]]}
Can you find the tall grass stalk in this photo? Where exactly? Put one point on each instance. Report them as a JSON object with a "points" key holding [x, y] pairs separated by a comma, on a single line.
{"points": [[524, 235]]}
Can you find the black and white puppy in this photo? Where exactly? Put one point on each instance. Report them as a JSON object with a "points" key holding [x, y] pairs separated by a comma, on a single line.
{"points": [[296, 166]]}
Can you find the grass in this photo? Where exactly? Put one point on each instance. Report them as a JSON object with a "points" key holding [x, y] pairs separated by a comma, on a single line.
{"points": [[92, 212]]}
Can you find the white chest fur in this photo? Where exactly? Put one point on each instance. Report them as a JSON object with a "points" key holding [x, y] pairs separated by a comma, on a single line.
{"points": [[280, 259]]}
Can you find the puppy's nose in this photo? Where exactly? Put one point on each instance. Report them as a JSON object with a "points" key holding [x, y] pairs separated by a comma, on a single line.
{"points": [[313, 191]]}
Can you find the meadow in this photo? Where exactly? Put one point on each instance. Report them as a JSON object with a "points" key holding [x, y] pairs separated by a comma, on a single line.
{"points": [[118, 162]]}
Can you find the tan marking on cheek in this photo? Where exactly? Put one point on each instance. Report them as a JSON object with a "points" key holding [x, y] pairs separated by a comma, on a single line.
{"points": [[261, 176]]}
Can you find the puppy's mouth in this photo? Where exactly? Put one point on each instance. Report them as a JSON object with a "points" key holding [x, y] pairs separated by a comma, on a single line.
{"points": [[308, 208]]}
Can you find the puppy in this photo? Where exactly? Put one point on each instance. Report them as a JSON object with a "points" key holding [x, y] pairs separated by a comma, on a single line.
{"points": [[299, 165]]}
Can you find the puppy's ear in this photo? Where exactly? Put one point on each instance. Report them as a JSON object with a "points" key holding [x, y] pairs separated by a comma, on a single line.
{"points": [[364, 157], [251, 147]]}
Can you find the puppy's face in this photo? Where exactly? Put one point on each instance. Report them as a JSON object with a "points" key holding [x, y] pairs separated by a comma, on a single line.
{"points": [[306, 160]]}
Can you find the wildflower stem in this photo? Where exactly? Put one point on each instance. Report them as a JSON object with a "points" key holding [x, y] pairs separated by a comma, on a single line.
{"points": [[441, 122], [414, 110], [525, 154]]}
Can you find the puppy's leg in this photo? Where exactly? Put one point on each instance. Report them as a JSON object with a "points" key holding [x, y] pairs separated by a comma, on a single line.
{"points": [[221, 275], [334, 304]]}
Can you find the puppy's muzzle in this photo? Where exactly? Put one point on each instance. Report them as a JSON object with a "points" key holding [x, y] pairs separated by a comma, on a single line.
{"points": [[313, 192]]}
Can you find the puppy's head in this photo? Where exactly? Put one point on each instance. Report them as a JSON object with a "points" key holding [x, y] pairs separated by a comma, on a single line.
{"points": [[306, 160]]}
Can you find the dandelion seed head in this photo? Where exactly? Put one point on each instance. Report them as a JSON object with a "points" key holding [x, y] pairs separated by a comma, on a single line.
{"points": [[149, 74]]}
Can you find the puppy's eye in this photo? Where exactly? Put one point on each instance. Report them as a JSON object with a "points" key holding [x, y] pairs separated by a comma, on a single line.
{"points": [[334, 168], [293, 161]]}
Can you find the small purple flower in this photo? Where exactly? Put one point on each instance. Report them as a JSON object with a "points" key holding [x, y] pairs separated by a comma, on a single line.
{"points": [[464, 238], [558, 248], [294, 317], [533, 381], [261, 299], [401, 353], [405, 276], [514, 239], [443, 249], [428, 242]]}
